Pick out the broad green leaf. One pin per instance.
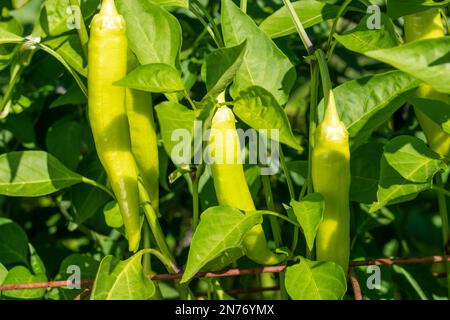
(7, 50)
(33, 174)
(13, 243)
(309, 214)
(362, 39)
(310, 12)
(175, 118)
(315, 280)
(64, 140)
(58, 17)
(365, 172)
(225, 259)
(154, 34)
(3, 273)
(264, 64)
(427, 60)
(21, 274)
(399, 8)
(69, 47)
(66, 65)
(220, 229)
(112, 214)
(73, 96)
(436, 110)
(122, 280)
(260, 110)
(81, 265)
(19, 3)
(175, 3)
(155, 77)
(412, 159)
(86, 200)
(367, 103)
(407, 168)
(221, 67)
(9, 37)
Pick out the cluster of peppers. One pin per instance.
(125, 138)
(121, 120)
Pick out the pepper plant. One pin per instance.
(143, 138)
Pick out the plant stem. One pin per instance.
(82, 31)
(215, 33)
(286, 174)
(341, 12)
(195, 203)
(271, 206)
(244, 6)
(299, 27)
(97, 185)
(153, 222)
(16, 71)
(325, 75)
(314, 98)
(280, 216)
(442, 202)
(147, 263)
(171, 268)
(275, 226)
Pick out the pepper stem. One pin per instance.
(108, 8)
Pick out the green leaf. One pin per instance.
(259, 109)
(69, 47)
(122, 280)
(13, 243)
(175, 3)
(315, 280)
(309, 214)
(112, 214)
(7, 50)
(264, 64)
(369, 102)
(21, 274)
(9, 37)
(3, 273)
(427, 60)
(73, 96)
(57, 18)
(33, 174)
(155, 77)
(154, 34)
(64, 140)
(365, 172)
(310, 12)
(88, 267)
(220, 229)
(86, 200)
(221, 67)
(412, 159)
(436, 110)
(399, 8)
(407, 168)
(173, 116)
(362, 39)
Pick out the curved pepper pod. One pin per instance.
(331, 178)
(144, 141)
(421, 26)
(230, 183)
(107, 57)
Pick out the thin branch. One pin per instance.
(230, 272)
(355, 285)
